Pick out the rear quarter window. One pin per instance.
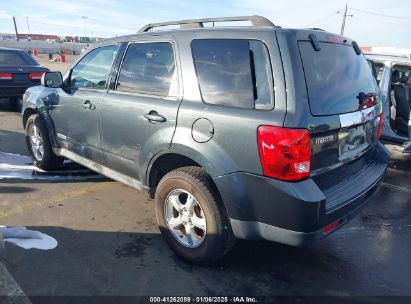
(335, 76)
(234, 72)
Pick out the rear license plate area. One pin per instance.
(20, 77)
(354, 140)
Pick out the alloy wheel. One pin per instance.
(185, 218)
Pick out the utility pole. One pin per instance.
(15, 28)
(85, 25)
(28, 25)
(343, 21)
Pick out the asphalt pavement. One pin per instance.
(109, 244)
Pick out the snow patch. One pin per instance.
(21, 167)
(27, 239)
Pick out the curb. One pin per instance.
(10, 291)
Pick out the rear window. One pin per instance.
(10, 58)
(234, 72)
(335, 76)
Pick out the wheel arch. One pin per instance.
(170, 160)
(27, 113)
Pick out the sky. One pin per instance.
(108, 18)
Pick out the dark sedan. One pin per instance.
(18, 72)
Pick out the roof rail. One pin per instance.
(315, 29)
(199, 23)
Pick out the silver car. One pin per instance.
(392, 73)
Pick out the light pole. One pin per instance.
(28, 25)
(85, 25)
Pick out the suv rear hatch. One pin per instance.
(336, 99)
(339, 83)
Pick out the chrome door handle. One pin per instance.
(153, 116)
(88, 105)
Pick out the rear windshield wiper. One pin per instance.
(314, 42)
(356, 48)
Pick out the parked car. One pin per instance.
(18, 72)
(255, 132)
(392, 73)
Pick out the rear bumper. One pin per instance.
(12, 92)
(295, 213)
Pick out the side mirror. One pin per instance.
(52, 80)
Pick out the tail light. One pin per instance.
(284, 153)
(379, 126)
(6, 76)
(35, 76)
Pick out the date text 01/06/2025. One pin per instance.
(204, 299)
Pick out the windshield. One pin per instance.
(335, 77)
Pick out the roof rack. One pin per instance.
(315, 29)
(199, 23)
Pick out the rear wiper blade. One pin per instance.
(356, 48)
(314, 42)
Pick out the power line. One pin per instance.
(382, 21)
(378, 14)
(322, 19)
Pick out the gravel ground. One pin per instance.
(43, 59)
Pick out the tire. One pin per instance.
(209, 243)
(44, 158)
(16, 104)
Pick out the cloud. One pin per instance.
(107, 18)
(367, 29)
(104, 17)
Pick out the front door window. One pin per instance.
(93, 70)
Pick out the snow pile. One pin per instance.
(21, 167)
(27, 239)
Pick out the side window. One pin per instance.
(93, 70)
(234, 72)
(148, 68)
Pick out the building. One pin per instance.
(40, 37)
(387, 50)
